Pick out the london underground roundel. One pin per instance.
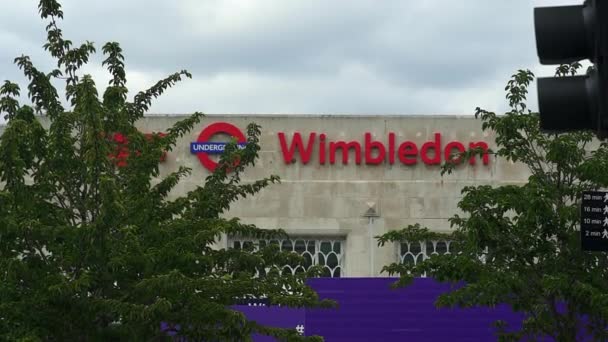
(204, 148)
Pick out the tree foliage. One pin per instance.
(95, 247)
(520, 244)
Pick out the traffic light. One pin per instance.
(566, 34)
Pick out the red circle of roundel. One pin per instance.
(211, 130)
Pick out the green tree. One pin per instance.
(92, 245)
(520, 244)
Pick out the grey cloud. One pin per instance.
(316, 38)
(300, 56)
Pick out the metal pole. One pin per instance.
(370, 214)
(371, 245)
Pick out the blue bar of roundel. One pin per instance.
(210, 147)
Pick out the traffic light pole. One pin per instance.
(567, 34)
(602, 66)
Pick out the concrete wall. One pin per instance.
(331, 200)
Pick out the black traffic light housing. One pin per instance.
(566, 34)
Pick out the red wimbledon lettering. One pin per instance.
(369, 146)
(296, 144)
(431, 151)
(436, 146)
(484, 148)
(408, 152)
(451, 157)
(345, 146)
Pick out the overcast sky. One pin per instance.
(299, 56)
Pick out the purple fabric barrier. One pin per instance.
(369, 310)
(280, 317)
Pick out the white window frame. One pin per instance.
(424, 252)
(316, 258)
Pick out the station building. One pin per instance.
(346, 179)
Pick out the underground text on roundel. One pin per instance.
(376, 152)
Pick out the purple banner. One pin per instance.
(369, 310)
(279, 317)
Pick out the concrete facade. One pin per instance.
(331, 200)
